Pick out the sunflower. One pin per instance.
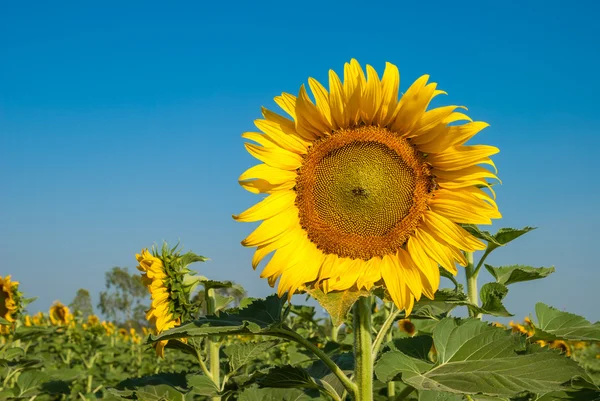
(365, 189)
(164, 276)
(60, 314)
(9, 299)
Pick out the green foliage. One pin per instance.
(553, 324)
(517, 273)
(473, 357)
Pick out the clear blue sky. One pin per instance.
(120, 125)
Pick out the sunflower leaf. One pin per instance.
(492, 295)
(506, 235)
(517, 273)
(275, 394)
(553, 324)
(244, 353)
(444, 301)
(4, 321)
(259, 316)
(474, 357)
(338, 303)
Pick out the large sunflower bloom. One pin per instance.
(8, 298)
(364, 188)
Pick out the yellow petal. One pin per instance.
(391, 277)
(451, 232)
(287, 102)
(272, 175)
(268, 207)
(337, 101)
(275, 157)
(456, 158)
(435, 250)
(412, 105)
(354, 82)
(277, 135)
(409, 273)
(452, 136)
(371, 97)
(322, 99)
(390, 82)
(309, 121)
(270, 229)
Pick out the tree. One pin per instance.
(122, 302)
(82, 303)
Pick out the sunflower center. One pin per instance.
(3, 309)
(361, 192)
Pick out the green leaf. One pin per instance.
(581, 395)
(415, 347)
(28, 382)
(444, 301)
(501, 238)
(32, 333)
(222, 302)
(338, 303)
(449, 276)
(274, 394)
(473, 357)
(492, 295)
(287, 376)
(259, 316)
(320, 371)
(245, 353)
(215, 284)
(429, 395)
(516, 273)
(159, 392)
(3, 321)
(553, 324)
(201, 385)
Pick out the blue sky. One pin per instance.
(120, 125)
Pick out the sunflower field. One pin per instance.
(372, 204)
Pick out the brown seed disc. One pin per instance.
(362, 191)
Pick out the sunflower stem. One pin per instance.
(363, 354)
(213, 345)
(288, 334)
(472, 290)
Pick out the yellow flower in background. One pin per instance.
(498, 324)
(8, 298)
(108, 327)
(154, 278)
(406, 326)
(27, 322)
(60, 314)
(519, 328)
(93, 320)
(365, 189)
(38, 319)
(560, 345)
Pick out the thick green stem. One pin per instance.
(472, 290)
(391, 386)
(213, 345)
(363, 354)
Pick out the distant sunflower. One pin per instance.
(164, 276)
(60, 314)
(9, 298)
(365, 189)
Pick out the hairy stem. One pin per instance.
(385, 329)
(472, 290)
(213, 345)
(363, 354)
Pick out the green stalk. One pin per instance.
(213, 345)
(472, 290)
(363, 356)
(391, 386)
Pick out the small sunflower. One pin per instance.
(164, 275)
(60, 314)
(365, 189)
(10, 299)
(561, 345)
(407, 326)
